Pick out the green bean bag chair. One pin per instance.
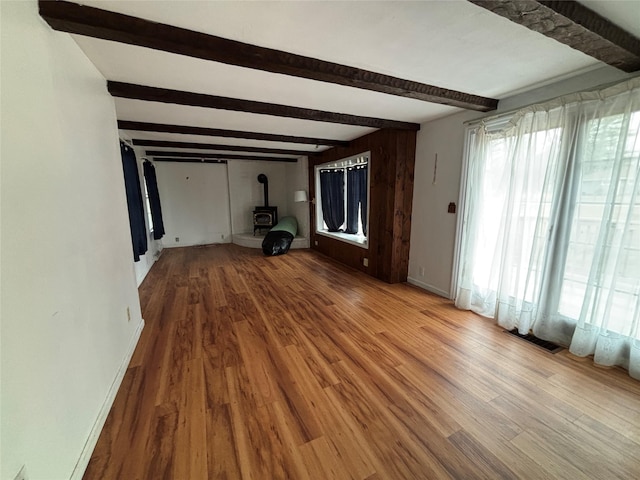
(279, 238)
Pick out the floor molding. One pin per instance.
(92, 440)
(429, 288)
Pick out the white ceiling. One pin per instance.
(451, 44)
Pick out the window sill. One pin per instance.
(357, 240)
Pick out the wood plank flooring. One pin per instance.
(254, 367)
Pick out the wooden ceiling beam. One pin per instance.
(188, 160)
(226, 156)
(97, 23)
(179, 97)
(214, 146)
(574, 25)
(216, 132)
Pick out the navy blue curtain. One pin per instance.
(357, 197)
(134, 201)
(154, 200)
(332, 194)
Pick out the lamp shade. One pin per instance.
(300, 196)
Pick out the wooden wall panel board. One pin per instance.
(391, 164)
(406, 207)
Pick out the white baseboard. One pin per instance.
(92, 440)
(429, 288)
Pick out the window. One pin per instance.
(605, 223)
(147, 206)
(342, 207)
(551, 225)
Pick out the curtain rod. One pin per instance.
(366, 162)
(345, 166)
(499, 115)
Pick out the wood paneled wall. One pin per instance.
(391, 165)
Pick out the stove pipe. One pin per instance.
(262, 178)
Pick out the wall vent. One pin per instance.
(548, 346)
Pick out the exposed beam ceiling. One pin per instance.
(165, 95)
(93, 22)
(575, 25)
(187, 160)
(227, 156)
(216, 132)
(213, 146)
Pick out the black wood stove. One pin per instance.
(264, 216)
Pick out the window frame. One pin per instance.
(567, 196)
(147, 207)
(361, 241)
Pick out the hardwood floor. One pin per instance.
(297, 367)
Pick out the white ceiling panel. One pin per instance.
(143, 66)
(452, 44)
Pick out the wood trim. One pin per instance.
(391, 168)
(186, 160)
(214, 146)
(402, 205)
(228, 156)
(216, 132)
(574, 25)
(97, 23)
(179, 97)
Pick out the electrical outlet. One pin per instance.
(421, 271)
(128, 314)
(22, 474)
(365, 262)
(177, 239)
(316, 243)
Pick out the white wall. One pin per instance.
(205, 203)
(67, 269)
(433, 230)
(246, 192)
(195, 203)
(298, 179)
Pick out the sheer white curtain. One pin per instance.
(551, 231)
